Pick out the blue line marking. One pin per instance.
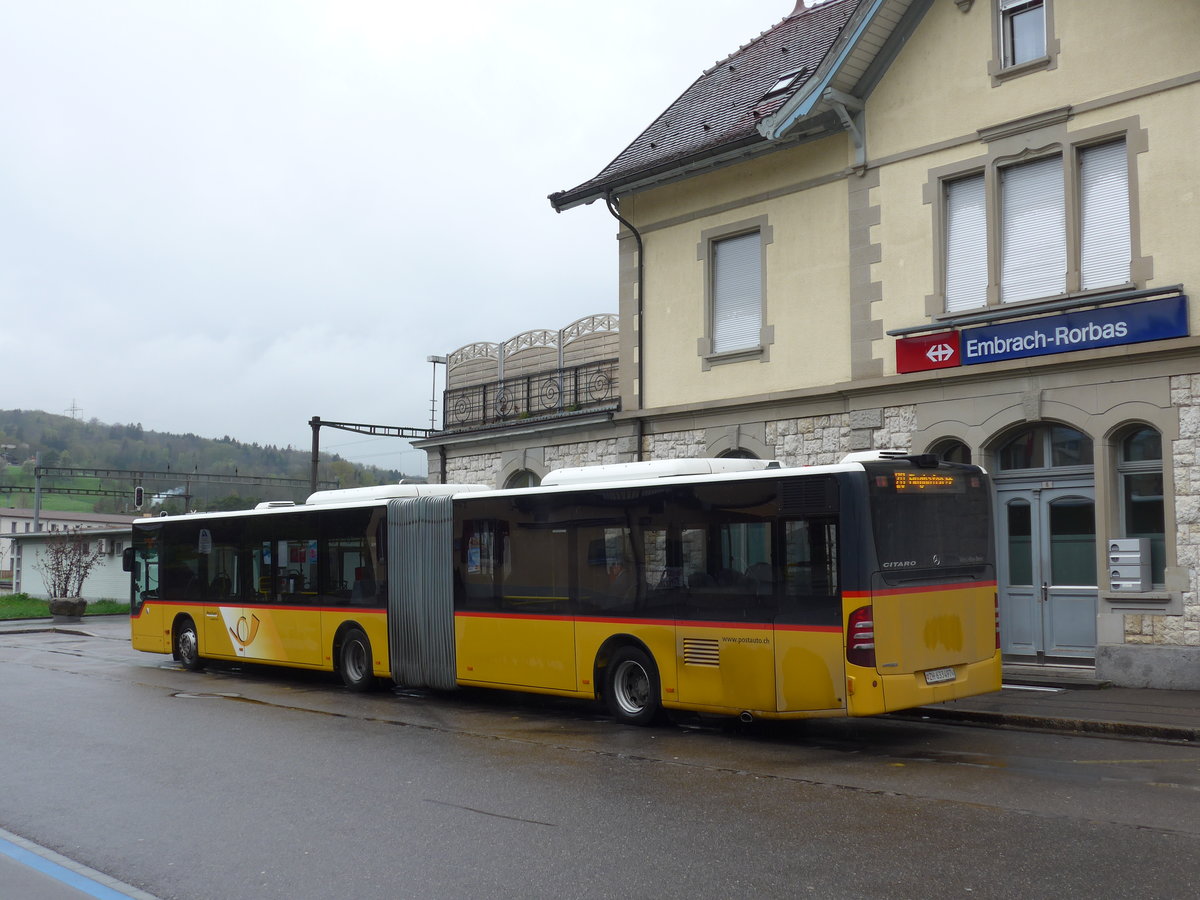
(60, 873)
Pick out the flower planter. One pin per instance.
(67, 609)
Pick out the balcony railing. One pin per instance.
(558, 392)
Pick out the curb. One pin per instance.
(1173, 734)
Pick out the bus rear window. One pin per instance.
(930, 519)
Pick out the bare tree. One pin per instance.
(66, 561)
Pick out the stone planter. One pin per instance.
(67, 609)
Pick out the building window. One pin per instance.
(1033, 239)
(952, 452)
(1024, 38)
(1139, 470)
(1046, 446)
(1104, 215)
(1023, 30)
(1063, 225)
(522, 478)
(735, 292)
(966, 243)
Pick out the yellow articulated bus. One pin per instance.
(727, 587)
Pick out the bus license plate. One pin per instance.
(938, 676)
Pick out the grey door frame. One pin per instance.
(1043, 622)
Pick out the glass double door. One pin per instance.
(1047, 569)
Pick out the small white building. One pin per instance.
(15, 521)
(107, 581)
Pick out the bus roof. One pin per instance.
(607, 477)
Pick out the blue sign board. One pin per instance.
(1134, 323)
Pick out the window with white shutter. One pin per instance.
(1104, 216)
(736, 293)
(1033, 242)
(1055, 227)
(966, 244)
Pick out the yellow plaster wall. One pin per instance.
(807, 278)
(937, 93)
(938, 87)
(702, 194)
(1167, 207)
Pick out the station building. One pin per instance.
(968, 227)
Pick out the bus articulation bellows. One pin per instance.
(726, 587)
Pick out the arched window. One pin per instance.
(737, 453)
(1140, 476)
(1044, 447)
(522, 478)
(952, 452)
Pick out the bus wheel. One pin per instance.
(354, 661)
(187, 646)
(631, 687)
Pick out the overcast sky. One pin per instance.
(227, 217)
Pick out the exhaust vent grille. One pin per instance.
(701, 652)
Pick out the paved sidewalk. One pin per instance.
(1071, 703)
(1138, 713)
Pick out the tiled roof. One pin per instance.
(722, 108)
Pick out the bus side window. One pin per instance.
(811, 566)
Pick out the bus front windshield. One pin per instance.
(145, 566)
(931, 523)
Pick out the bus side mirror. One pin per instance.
(127, 559)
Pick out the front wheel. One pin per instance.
(631, 687)
(354, 661)
(187, 646)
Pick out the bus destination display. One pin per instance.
(927, 483)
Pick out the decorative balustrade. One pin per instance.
(557, 392)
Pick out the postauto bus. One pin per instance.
(720, 586)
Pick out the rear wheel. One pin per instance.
(187, 645)
(354, 661)
(632, 688)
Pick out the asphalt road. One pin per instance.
(265, 784)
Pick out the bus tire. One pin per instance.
(631, 687)
(187, 646)
(354, 661)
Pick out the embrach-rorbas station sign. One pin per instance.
(1134, 323)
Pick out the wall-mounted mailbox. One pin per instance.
(1129, 564)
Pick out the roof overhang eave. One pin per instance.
(810, 100)
(676, 170)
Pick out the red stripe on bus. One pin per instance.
(537, 617)
(920, 589)
(201, 603)
(668, 623)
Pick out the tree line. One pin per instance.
(61, 441)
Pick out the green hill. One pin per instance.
(61, 441)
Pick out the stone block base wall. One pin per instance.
(1145, 666)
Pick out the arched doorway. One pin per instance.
(1046, 543)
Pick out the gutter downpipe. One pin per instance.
(639, 422)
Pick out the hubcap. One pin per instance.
(356, 661)
(632, 687)
(187, 645)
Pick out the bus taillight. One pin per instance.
(996, 598)
(860, 638)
